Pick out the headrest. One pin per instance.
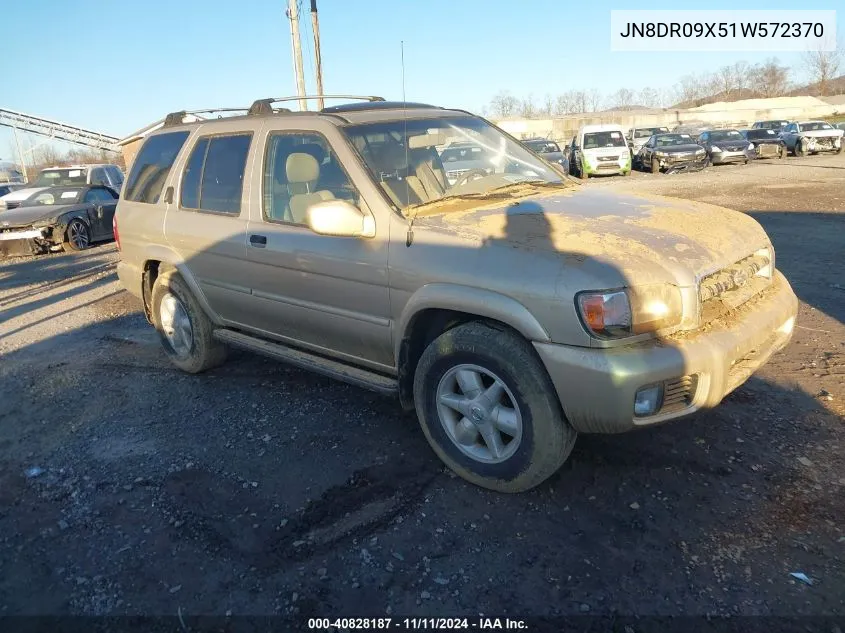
(315, 149)
(301, 167)
(426, 140)
(391, 157)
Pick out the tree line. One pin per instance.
(730, 83)
(49, 155)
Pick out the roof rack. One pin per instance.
(177, 118)
(265, 106)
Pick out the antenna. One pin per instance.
(409, 238)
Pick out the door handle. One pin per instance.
(259, 241)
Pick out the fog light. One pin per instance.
(647, 400)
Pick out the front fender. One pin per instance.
(470, 300)
(165, 255)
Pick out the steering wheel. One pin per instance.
(472, 174)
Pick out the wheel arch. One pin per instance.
(157, 261)
(436, 308)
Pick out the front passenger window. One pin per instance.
(300, 170)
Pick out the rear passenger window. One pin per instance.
(214, 176)
(152, 166)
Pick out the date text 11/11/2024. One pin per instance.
(415, 624)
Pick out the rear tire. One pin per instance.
(475, 383)
(186, 332)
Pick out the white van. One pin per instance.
(599, 149)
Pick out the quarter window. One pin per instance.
(214, 176)
(301, 170)
(152, 166)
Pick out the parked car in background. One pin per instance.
(15, 198)
(55, 218)
(510, 311)
(776, 124)
(672, 153)
(599, 149)
(839, 125)
(461, 159)
(811, 137)
(726, 146)
(549, 150)
(638, 136)
(9, 187)
(90, 174)
(765, 142)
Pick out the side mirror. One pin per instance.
(340, 218)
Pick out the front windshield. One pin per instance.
(592, 140)
(665, 140)
(646, 132)
(543, 147)
(418, 161)
(757, 135)
(725, 135)
(59, 177)
(57, 195)
(815, 125)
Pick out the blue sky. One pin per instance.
(114, 66)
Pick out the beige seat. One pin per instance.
(303, 171)
(429, 171)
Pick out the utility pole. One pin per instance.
(318, 63)
(20, 154)
(293, 16)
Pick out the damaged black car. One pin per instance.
(671, 153)
(765, 143)
(59, 218)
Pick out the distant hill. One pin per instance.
(835, 87)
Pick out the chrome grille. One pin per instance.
(731, 278)
(679, 393)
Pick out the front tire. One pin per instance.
(489, 410)
(186, 332)
(77, 236)
(655, 166)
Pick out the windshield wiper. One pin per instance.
(500, 191)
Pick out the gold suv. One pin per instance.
(509, 305)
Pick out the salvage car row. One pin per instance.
(607, 149)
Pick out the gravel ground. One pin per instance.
(127, 487)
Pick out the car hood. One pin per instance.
(24, 216)
(617, 238)
(21, 194)
(822, 133)
(595, 152)
(552, 156)
(679, 149)
(734, 145)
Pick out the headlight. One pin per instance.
(621, 313)
(716, 148)
(751, 146)
(699, 152)
(659, 153)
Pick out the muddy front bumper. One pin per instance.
(597, 387)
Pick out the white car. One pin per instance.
(13, 200)
(599, 149)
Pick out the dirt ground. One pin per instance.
(127, 487)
